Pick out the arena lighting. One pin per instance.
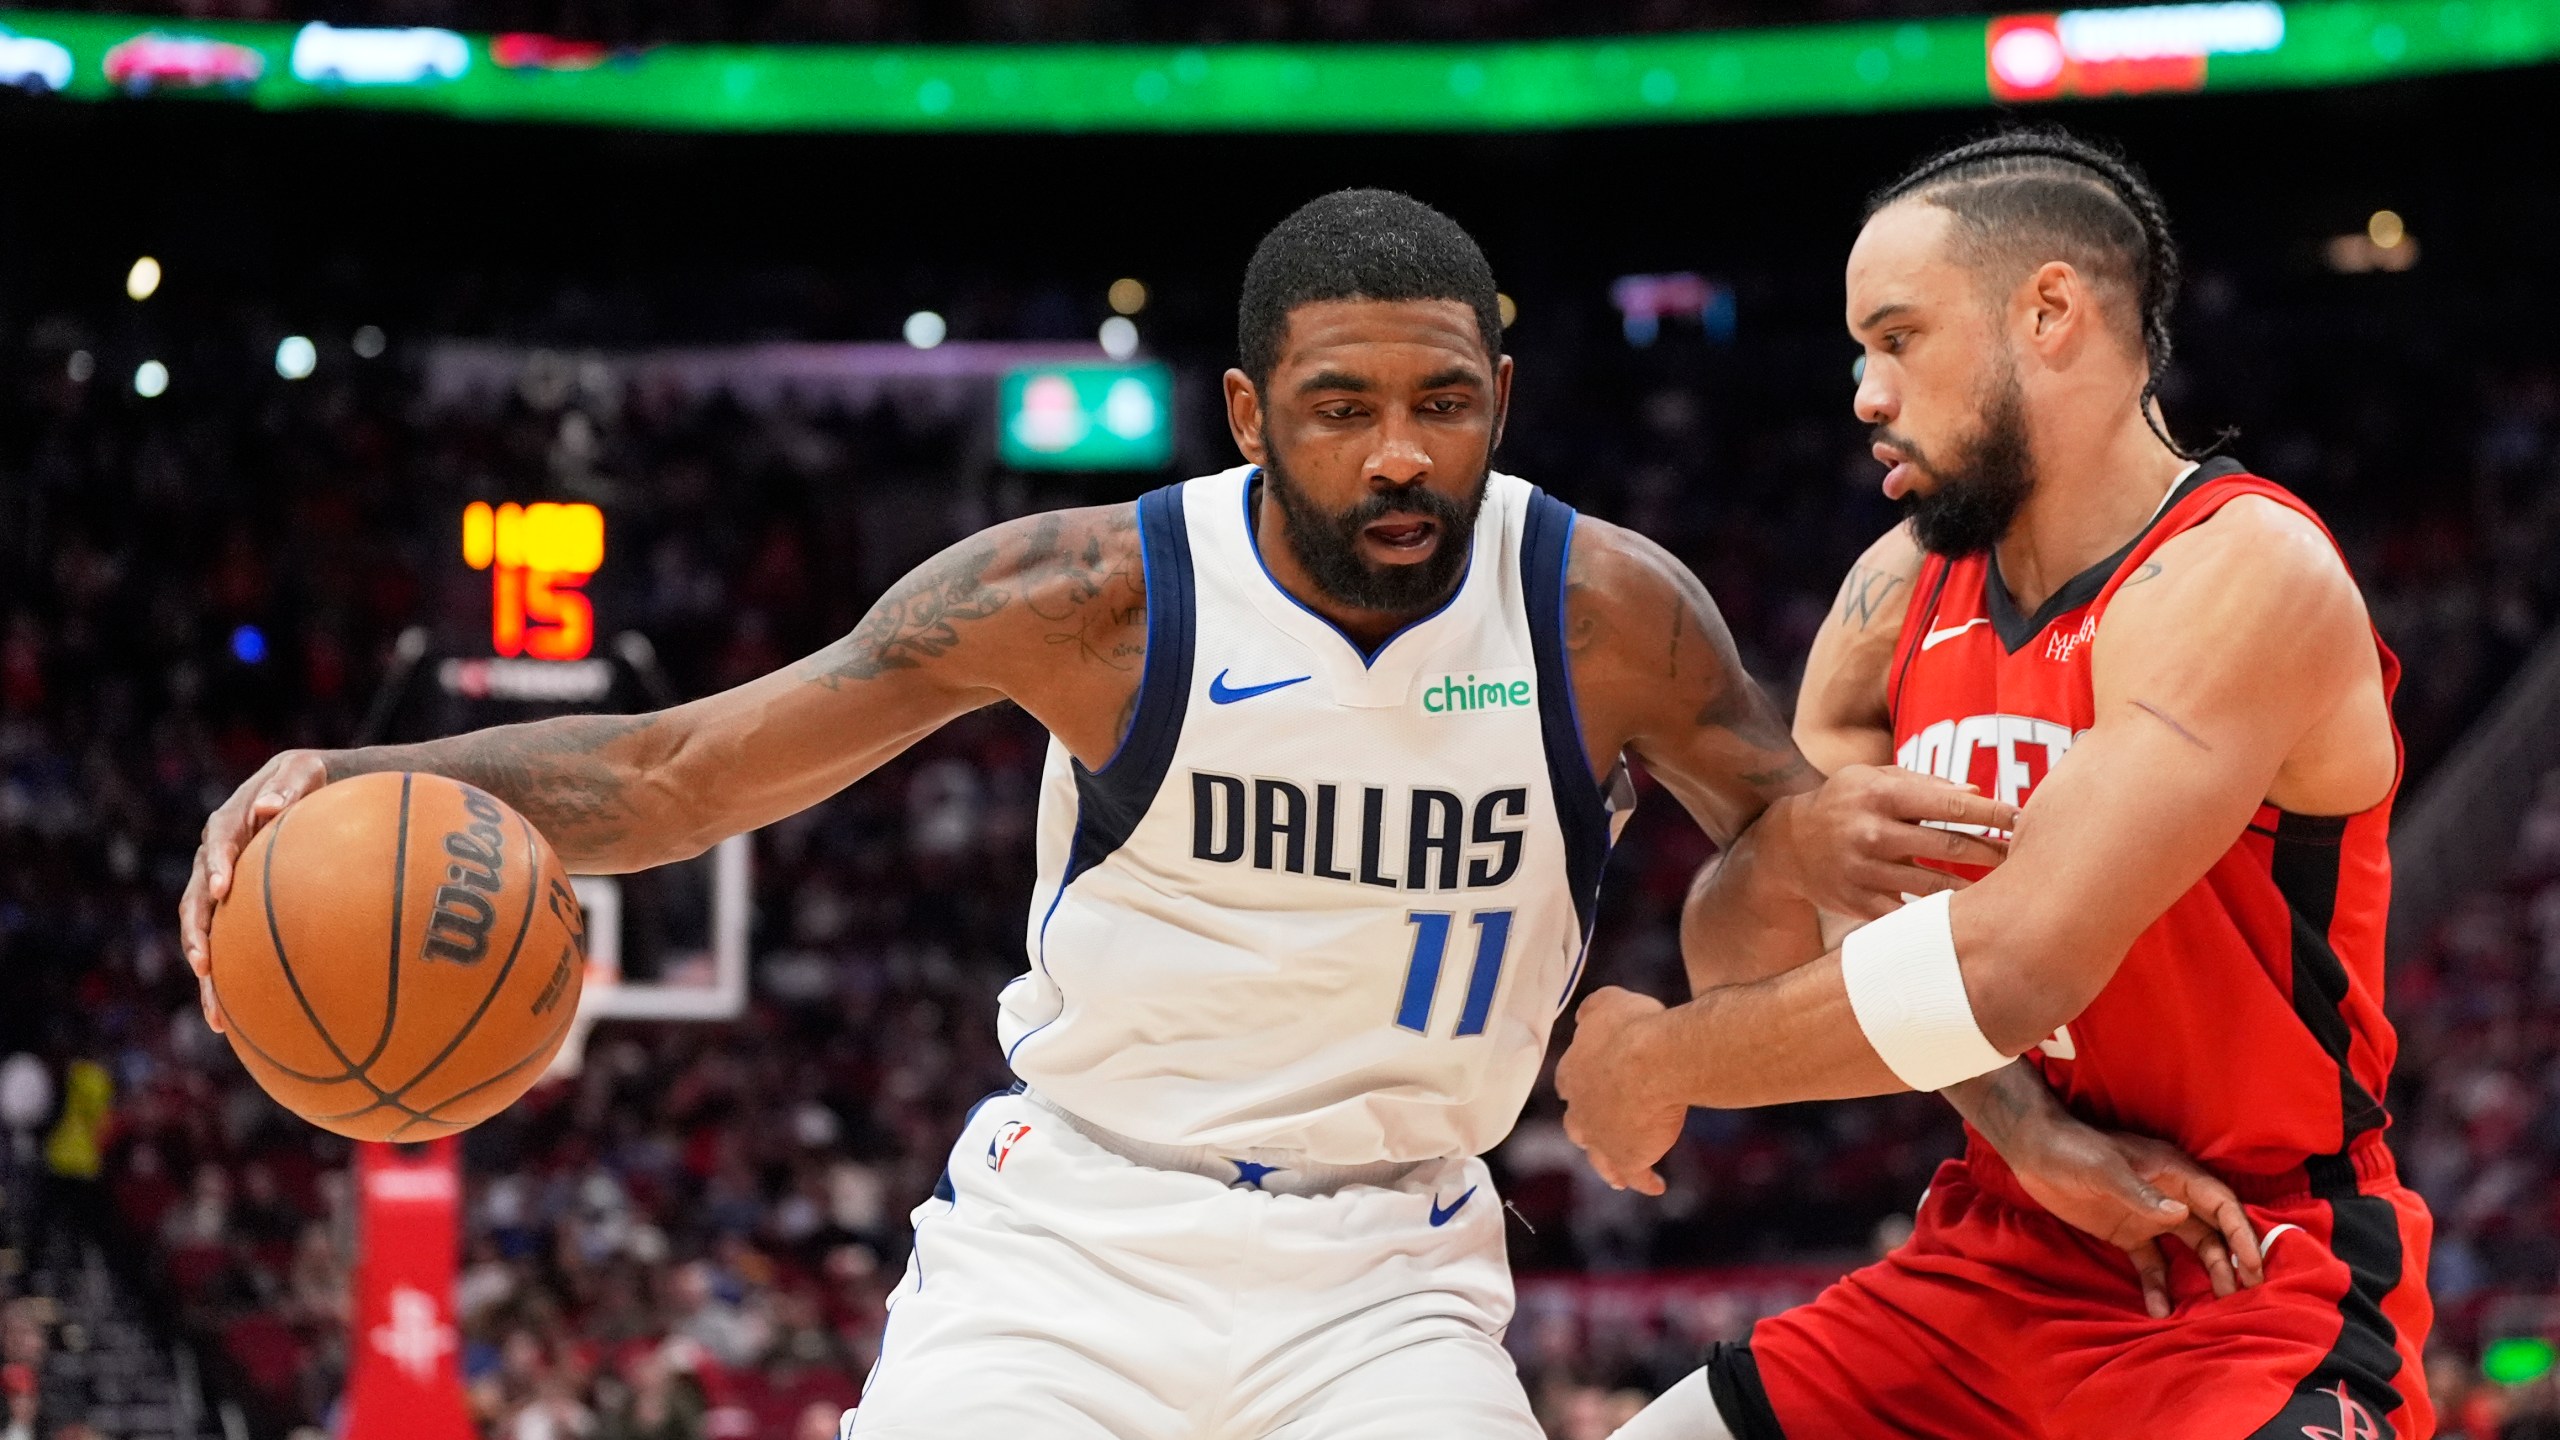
(80, 365)
(2124, 52)
(329, 55)
(296, 357)
(924, 330)
(1127, 296)
(2518, 1359)
(150, 379)
(39, 67)
(1086, 417)
(143, 280)
(369, 342)
(1855, 68)
(249, 645)
(2386, 245)
(1644, 301)
(1506, 308)
(1119, 337)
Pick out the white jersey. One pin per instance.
(1319, 902)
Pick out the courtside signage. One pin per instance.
(1519, 85)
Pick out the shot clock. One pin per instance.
(538, 557)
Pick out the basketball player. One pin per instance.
(1336, 762)
(2167, 664)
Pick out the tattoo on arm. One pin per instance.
(1056, 570)
(2150, 571)
(1732, 701)
(919, 619)
(2001, 1103)
(555, 772)
(1863, 594)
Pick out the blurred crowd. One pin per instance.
(694, 1237)
(648, 22)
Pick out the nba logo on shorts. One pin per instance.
(1008, 1135)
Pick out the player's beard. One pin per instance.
(1982, 485)
(1327, 542)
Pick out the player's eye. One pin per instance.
(1445, 404)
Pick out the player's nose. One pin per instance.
(1398, 461)
(1877, 402)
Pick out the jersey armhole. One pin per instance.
(1915, 622)
(1582, 810)
(1110, 801)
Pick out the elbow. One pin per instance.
(2026, 980)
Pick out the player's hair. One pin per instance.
(2024, 196)
(1359, 245)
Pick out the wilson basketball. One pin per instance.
(399, 957)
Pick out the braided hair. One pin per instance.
(2040, 193)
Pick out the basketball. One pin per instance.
(399, 957)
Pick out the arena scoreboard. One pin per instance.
(538, 556)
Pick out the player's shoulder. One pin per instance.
(2254, 544)
(1896, 552)
(1063, 556)
(2259, 576)
(1621, 582)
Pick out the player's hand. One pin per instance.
(1610, 1109)
(1852, 846)
(2135, 1193)
(261, 798)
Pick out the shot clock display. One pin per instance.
(538, 557)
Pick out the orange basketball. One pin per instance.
(399, 957)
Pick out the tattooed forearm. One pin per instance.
(1863, 594)
(2001, 1103)
(571, 775)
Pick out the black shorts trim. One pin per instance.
(1733, 1382)
(2354, 1392)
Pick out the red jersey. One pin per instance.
(2246, 1024)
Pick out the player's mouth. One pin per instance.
(1901, 470)
(1401, 539)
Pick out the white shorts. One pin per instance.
(1061, 1289)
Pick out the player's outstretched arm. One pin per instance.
(2248, 638)
(1048, 610)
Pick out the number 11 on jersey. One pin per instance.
(1422, 973)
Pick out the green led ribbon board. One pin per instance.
(1085, 417)
(2023, 58)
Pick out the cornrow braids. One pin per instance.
(2045, 187)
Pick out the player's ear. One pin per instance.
(1501, 399)
(1244, 415)
(2055, 304)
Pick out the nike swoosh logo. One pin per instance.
(1935, 638)
(1440, 1216)
(1221, 694)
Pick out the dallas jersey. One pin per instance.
(1320, 900)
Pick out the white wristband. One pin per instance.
(1908, 993)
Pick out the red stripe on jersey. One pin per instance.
(2246, 1023)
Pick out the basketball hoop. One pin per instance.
(608, 995)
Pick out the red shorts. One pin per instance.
(1996, 1321)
